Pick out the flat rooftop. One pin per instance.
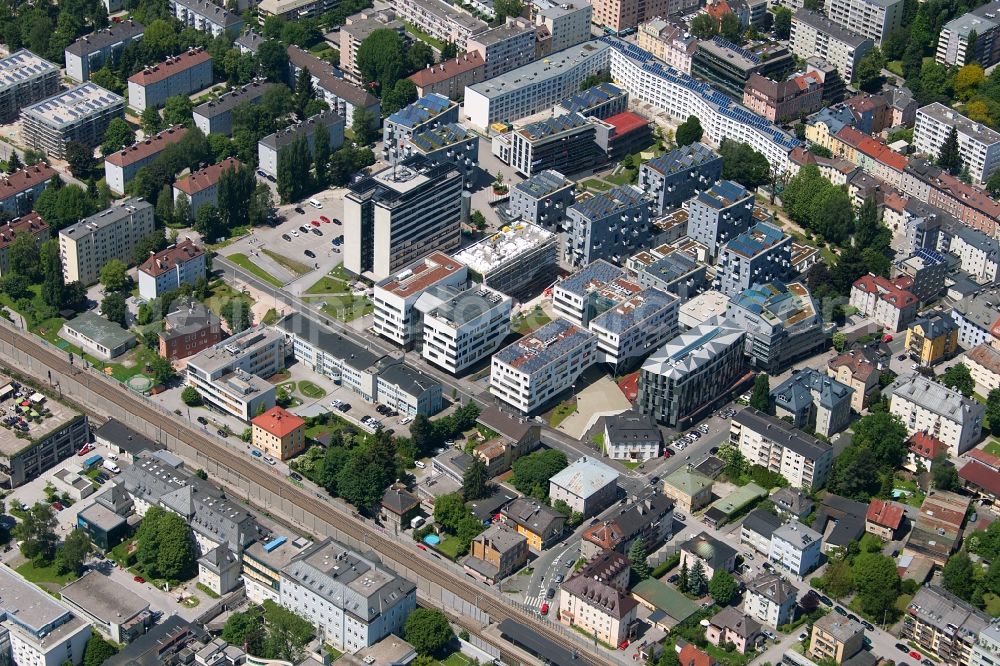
(723, 49)
(73, 105)
(230, 100)
(609, 203)
(276, 552)
(20, 428)
(635, 309)
(22, 66)
(548, 344)
(423, 110)
(103, 598)
(440, 137)
(585, 100)
(592, 277)
(504, 247)
(963, 124)
(467, 305)
(106, 217)
(822, 24)
(759, 238)
(550, 127)
(544, 183)
(225, 353)
(29, 606)
(539, 71)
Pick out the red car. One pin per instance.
(58, 506)
(84, 451)
(623, 644)
(139, 579)
(325, 219)
(315, 223)
(421, 546)
(916, 655)
(545, 609)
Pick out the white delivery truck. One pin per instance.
(111, 467)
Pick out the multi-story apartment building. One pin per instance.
(356, 29)
(759, 255)
(111, 234)
(604, 609)
(562, 143)
(232, 375)
(587, 485)
(515, 261)
(814, 402)
(270, 147)
(854, 369)
(168, 269)
(685, 377)
(24, 79)
(450, 77)
(978, 254)
(816, 35)
(278, 433)
(983, 362)
(795, 548)
(354, 600)
(621, 17)
(934, 192)
(944, 626)
(427, 113)
(932, 338)
(633, 437)
(987, 648)
(783, 324)
(926, 406)
(39, 629)
(342, 97)
(873, 19)
(505, 47)
(567, 22)
(668, 268)
(668, 41)
(401, 214)
(981, 26)
(206, 16)
(675, 177)
(202, 187)
(20, 189)
(120, 167)
(466, 328)
(187, 73)
(978, 145)
(80, 114)
(836, 638)
(728, 67)
(249, 42)
(610, 225)
(543, 199)
(976, 316)
(91, 52)
(782, 448)
(441, 21)
(928, 269)
(781, 101)
(32, 224)
(603, 101)
(770, 599)
(187, 329)
(719, 214)
(395, 317)
(886, 301)
(291, 10)
(495, 554)
(216, 116)
(536, 369)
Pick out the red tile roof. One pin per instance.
(968, 195)
(895, 201)
(169, 67)
(860, 366)
(448, 69)
(876, 150)
(427, 272)
(207, 177)
(24, 179)
(626, 122)
(31, 223)
(692, 656)
(718, 9)
(885, 514)
(925, 446)
(279, 422)
(147, 148)
(892, 291)
(167, 260)
(982, 476)
(984, 458)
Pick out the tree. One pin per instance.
(839, 341)
(177, 110)
(730, 27)
(321, 157)
(80, 158)
(884, 435)
(380, 59)
(162, 370)
(53, 284)
(190, 396)
(993, 184)
(362, 122)
(114, 309)
(993, 410)
(838, 581)
(782, 22)
(761, 396)
(743, 164)
(958, 576)
(637, 557)
(165, 206)
(428, 631)
(723, 587)
(236, 188)
(208, 222)
(246, 630)
(151, 121)
(150, 244)
(703, 26)
(877, 581)
(450, 50)
(287, 633)
(689, 131)
(304, 92)
(959, 378)
(23, 255)
(949, 158)
(404, 92)
(164, 545)
(73, 551)
(855, 474)
(968, 79)
(536, 469)
(868, 73)
(943, 474)
(236, 313)
(272, 60)
(37, 533)
(98, 651)
(475, 481)
(697, 581)
(421, 55)
(114, 276)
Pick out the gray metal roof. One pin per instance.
(101, 39)
(694, 348)
(783, 433)
(551, 342)
(584, 477)
(233, 98)
(937, 398)
(796, 392)
(825, 25)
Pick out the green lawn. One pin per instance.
(992, 447)
(562, 412)
(39, 575)
(296, 267)
(243, 261)
(992, 602)
(525, 323)
(423, 36)
(895, 66)
(310, 390)
(222, 293)
(347, 307)
(595, 184)
(454, 659)
(622, 178)
(328, 285)
(449, 546)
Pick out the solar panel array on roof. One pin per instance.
(440, 137)
(22, 66)
(421, 111)
(591, 97)
(610, 202)
(755, 240)
(555, 125)
(72, 105)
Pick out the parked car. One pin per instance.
(300, 210)
(901, 647)
(840, 611)
(315, 223)
(405, 420)
(84, 450)
(927, 662)
(270, 461)
(825, 600)
(559, 577)
(916, 655)
(748, 555)
(654, 480)
(336, 403)
(420, 464)
(310, 254)
(256, 454)
(325, 218)
(674, 578)
(679, 516)
(713, 450)
(221, 433)
(304, 229)
(295, 233)
(295, 476)
(58, 506)
(139, 579)
(344, 406)
(867, 625)
(286, 237)
(317, 232)
(202, 420)
(550, 593)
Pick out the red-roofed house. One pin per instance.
(783, 100)
(970, 204)
(279, 433)
(894, 210)
(121, 166)
(984, 458)
(202, 187)
(924, 448)
(984, 480)
(450, 77)
(179, 75)
(886, 302)
(164, 271)
(884, 519)
(19, 190)
(872, 156)
(32, 223)
(622, 134)
(690, 655)
(718, 9)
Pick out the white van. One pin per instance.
(111, 467)
(315, 204)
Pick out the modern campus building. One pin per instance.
(39, 629)
(216, 116)
(182, 263)
(342, 97)
(24, 79)
(91, 52)
(759, 255)
(447, 144)
(400, 214)
(610, 225)
(543, 199)
(466, 328)
(873, 19)
(187, 73)
(670, 269)
(120, 167)
(565, 143)
(943, 413)
(782, 448)
(983, 26)
(816, 35)
(80, 114)
(113, 233)
(427, 113)
(718, 214)
(673, 178)
(206, 16)
(538, 368)
(517, 262)
(691, 372)
(232, 375)
(728, 67)
(978, 145)
(270, 147)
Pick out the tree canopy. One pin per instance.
(532, 472)
(428, 631)
(689, 131)
(165, 546)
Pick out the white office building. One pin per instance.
(394, 297)
(873, 19)
(795, 548)
(815, 35)
(539, 367)
(111, 234)
(978, 145)
(943, 413)
(466, 328)
(38, 630)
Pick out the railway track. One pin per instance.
(325, 509)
